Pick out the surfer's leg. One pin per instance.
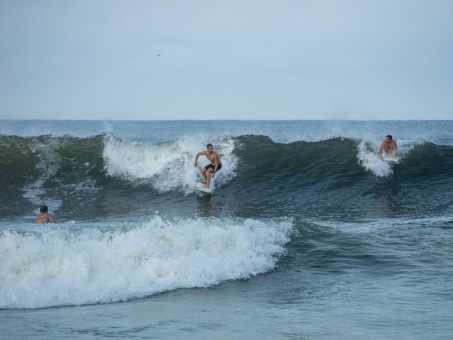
(203, 173)
(208, 178)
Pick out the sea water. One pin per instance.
(307, 233)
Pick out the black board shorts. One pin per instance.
(212, 166)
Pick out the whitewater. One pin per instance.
(307, 233)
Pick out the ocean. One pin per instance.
(307, 234)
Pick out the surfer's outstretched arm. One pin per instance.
(198, 155)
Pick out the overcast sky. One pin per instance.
(175, 59)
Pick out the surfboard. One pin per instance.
(390, 159)
(206, 190)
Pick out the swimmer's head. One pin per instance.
(44, 208)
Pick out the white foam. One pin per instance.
(166, 166)
(55, 267)
(369, 158)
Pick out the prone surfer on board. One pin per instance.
(389, 146)
(44, 216)
(212, 168)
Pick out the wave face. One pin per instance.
(290, 194)
(105, 176)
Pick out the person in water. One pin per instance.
(389, 146)
(211, 168)
(44, 216)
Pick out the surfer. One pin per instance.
(211, 168)
(45, 216)
(389, 146)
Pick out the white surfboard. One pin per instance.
(206, 190)
(390, 159)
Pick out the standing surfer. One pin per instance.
(211, 168)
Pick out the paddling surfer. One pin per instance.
(44, 216)
(389, 146)
(211, 168)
